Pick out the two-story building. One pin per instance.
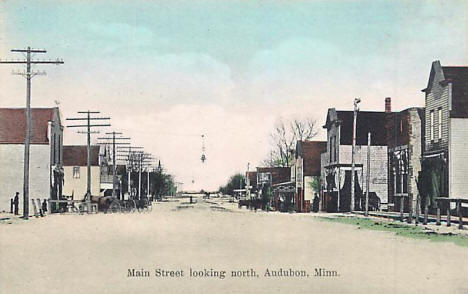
(46, 153)
(337, 163)
(307, 171)
(405, 135)
(446, 132)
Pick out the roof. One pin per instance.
(310, 151)
(77, 155)
(458, 75)
(13, 125)
(366, 121)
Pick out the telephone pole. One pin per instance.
(368, 173)
(28, 74)
(88, 132)
(353, 167)
(143, 159)
(114, 167)
(129, 156)
(247, 181)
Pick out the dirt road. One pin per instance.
(212, 247)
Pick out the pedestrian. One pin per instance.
(16, 203)
(316, 203)
(44, 206)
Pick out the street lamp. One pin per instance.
(356, 109)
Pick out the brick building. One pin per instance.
(307, 166)
(405, 135)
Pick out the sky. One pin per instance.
(167, 72)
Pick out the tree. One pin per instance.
(235, 182)
(315, 184)
(284, 137)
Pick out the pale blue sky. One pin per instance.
(237, 64)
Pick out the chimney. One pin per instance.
(388, 105)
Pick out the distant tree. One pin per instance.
(284, 137)
(235, 182)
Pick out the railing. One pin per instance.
(458, 202)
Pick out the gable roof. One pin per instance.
(77, 155)
(367, 121)
(310, 151)
(458, 76)
(13, 125)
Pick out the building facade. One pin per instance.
(75, 159)
(446, 129)
(46, 154)
(307, 172)
(405, 135)
(336, 162)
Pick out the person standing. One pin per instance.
(44, 206)
(16, 203)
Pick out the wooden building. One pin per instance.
(46, 153)
(336, 162)
(446, 131)
(75, 159)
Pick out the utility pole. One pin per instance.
(148, 182)
(28, 74)
(240, 186)
(88, 132)
(368, 173)
(247, 180)
(130, 157)
(142, 160)
(356, 109)
(114, 166)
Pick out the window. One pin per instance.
(431, 128)
(439, 123)
(53, 150)
(58, 148)
(400, 173)
(336, 148)
(76, 172)
(333, 149)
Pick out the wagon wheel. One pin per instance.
(114, 207)
(130, 205)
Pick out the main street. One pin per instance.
(213, 247)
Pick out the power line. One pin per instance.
(28, 74)
(88, 132)
(114, 169)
